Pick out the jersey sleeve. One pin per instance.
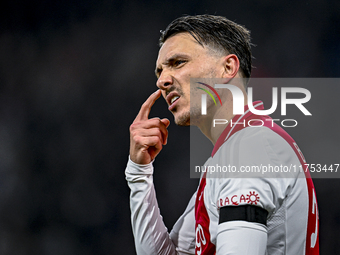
(150, 234)
(183, 232)
(241, 238)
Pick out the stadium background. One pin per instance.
(73, 75)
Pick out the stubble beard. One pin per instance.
(190, 117)
(183, 120)
(194, 115)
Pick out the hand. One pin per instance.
(147, 136)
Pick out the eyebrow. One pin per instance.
(171, 60)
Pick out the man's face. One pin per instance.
(179, 59)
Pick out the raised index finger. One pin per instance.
(146, 107)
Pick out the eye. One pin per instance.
(179, 62)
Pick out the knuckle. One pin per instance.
(135, 125)
(132, 127)
(137, 139)
(157, 139)
(156, 121)
(133, 133)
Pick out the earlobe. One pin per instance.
(231, 65)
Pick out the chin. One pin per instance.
(183, 119)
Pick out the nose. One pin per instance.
(165, 80)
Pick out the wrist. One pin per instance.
(135, 168)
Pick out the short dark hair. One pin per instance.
(217, 32)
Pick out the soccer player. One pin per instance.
(226, 215)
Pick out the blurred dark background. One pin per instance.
(73, 75)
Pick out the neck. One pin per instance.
(224, 114)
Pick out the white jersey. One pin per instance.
(232, 213)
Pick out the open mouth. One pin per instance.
(172, 99)
(175, 98)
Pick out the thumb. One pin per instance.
(166, 122)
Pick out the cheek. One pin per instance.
(207, 68)
(195, 96)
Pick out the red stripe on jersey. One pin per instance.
(203, 244)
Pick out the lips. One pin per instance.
(172, 99)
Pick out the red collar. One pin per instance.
(232, 129)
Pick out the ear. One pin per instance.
(231, 66)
